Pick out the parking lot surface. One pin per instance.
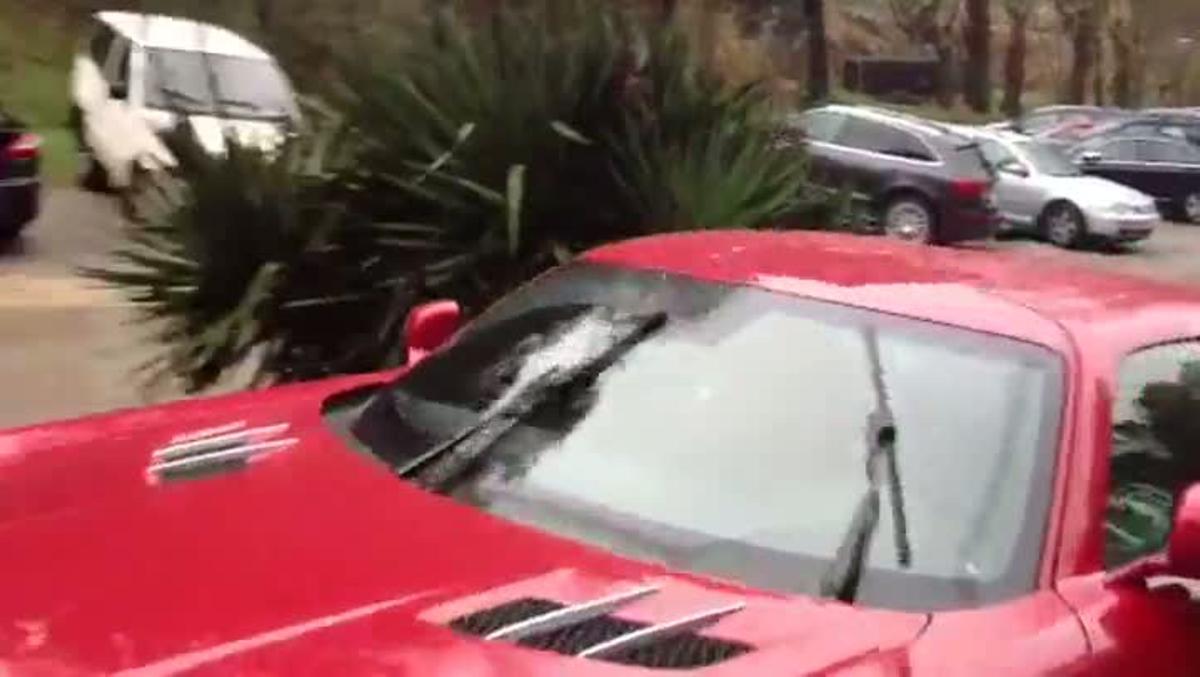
(69, 347)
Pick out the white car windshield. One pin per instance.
(1048, 159)
(733, 441)
(198, 82)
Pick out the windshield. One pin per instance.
(196, 82)
(732, 440)
(1048, 159)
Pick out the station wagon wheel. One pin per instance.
(1063, 225)
(1191, 208)
(908, 218)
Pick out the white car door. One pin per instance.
(1018, 195)
(117, 134)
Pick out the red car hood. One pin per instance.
(314, 558)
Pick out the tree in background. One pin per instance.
(1101, 11)
(1078, 19)
(977, 71)
(1125, 36)
(930, 24)
(818, 50)
(469, 158)
(1018, 12)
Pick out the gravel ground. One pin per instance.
(67, 347)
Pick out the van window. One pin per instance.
(101, 42)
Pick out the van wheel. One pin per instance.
(1063, 225)
(908, 218)
(92, 175)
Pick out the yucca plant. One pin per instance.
(476, 151)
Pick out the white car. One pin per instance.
(1039, 190)
(139, 74)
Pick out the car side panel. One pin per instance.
(1133, 174)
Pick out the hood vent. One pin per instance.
(588, 630)
(215, 450)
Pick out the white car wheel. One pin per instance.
(908, 219)
(1063, 225)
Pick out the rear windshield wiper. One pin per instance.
(438, 468)
(842, 579)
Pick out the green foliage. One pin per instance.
(472, 154)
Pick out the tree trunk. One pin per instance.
(977, 38)
(945, 73)
(818, 50)
(264, 13)
(1081, 28)
(1014, 62)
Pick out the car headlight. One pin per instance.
(1130, 209)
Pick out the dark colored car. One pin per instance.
(1181, 125)
(1165, 168)
(1054, 121)
(919, 181)
(20, 156)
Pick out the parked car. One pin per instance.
(919, 180)
(1168, 169)
(141, 74)
(1039, 190)
(1173, 125)
(739, 453)
(1054, 120)
(20, 183)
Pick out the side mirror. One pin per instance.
(429, 326)
(1014, 168)
(1090, 157)
(1183, 547)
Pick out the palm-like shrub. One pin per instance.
(474, 152)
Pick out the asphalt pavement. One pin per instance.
(69, 347)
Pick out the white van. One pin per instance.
(139, 73)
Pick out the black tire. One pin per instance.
(1063, 225)
(909, 217)
(1189, 208)
(92, 175)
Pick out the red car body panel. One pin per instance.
(315, 559)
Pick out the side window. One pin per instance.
(1119, 151)
(101, 42)
(1158, 151)
(998, 155)
(1155, 448)
(880, 138)
(823, 125)
(116, 69)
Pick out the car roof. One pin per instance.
(1029, 296)
(883, 115)
(168, 32)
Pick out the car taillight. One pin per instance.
(24, 147)
(969, 189)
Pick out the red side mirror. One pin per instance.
(1183, 548)
(429, 326)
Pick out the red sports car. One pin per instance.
(724, 453)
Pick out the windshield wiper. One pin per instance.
(438, 468)
(842, 579)
(175, 94)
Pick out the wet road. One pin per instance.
(68, 348)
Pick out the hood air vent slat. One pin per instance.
(587, 631)
(216, 450)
